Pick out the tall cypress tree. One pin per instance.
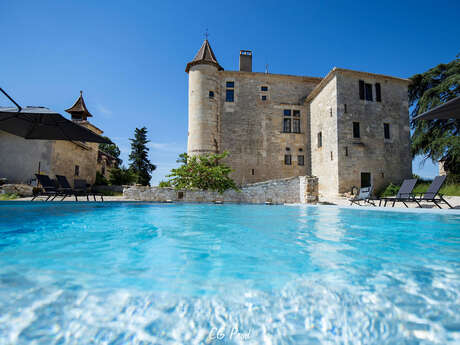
(139, 157)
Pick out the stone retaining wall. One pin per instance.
(301, 189)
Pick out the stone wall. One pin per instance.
(301, 189)
(387, 160)
(252, 128)
(323, 118)
(19, 158)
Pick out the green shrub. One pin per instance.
(204, 172)
(164, 184)
(6, 196)
(101, 180)
(121, 176)
(390, 190)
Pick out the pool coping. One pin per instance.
(361, 208)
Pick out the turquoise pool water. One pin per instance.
(128, 273)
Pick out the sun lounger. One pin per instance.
(432, 194)
(404, 194)
(49, 188)
(82, 188)
(79, 189)
(365, 195)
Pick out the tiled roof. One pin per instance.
(204, 56)
(79, 107)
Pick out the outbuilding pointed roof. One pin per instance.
(79, 108)
(204, 56)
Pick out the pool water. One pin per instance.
(138, 273)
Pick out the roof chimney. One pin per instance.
(245, 61)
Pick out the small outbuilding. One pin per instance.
(21, 159)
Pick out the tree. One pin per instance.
(111, 149)
(202, 172)
(436, 139)
(140, 163)
(121, 176)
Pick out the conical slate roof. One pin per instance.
(79, 108)
(204, 56)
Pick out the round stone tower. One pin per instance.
(203, 102)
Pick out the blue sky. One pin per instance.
(129, 57)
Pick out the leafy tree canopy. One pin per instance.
(139, 157)
(205, 172)
(121, 176)
(111, 149)
(436, 139)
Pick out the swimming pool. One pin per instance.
(137, 273)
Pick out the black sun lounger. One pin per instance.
(81, 187)
(432, 192)
(78, 190)
(48, 188)
(404, 194)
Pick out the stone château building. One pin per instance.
(349, 128)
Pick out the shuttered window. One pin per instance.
(287, 159)
(300, 160)
(287, 125)
(356, 133)
(386, 130)
(361, 89)
(368, 89)
(296, 126)
(378, 95)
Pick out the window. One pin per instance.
(287, 159)
(346, 151)
(229, 96)
(287, 112)
(365, 91)
(378, 94)
(296, 113)
(288, 149)
(287, 125)
(230, 92)
(264, 98)
(365, 179)
(330, 111)
(264, 88)
(296, 125)
(320, 139)
(211, 94)
(332, 156)
(356, 130)
(77, 170)
(368, 90)
(253, 172)
(386, 130)
(345, 108)
(300, 150)
(300, 160)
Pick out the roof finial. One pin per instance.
(81, 93)
(206, 34)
